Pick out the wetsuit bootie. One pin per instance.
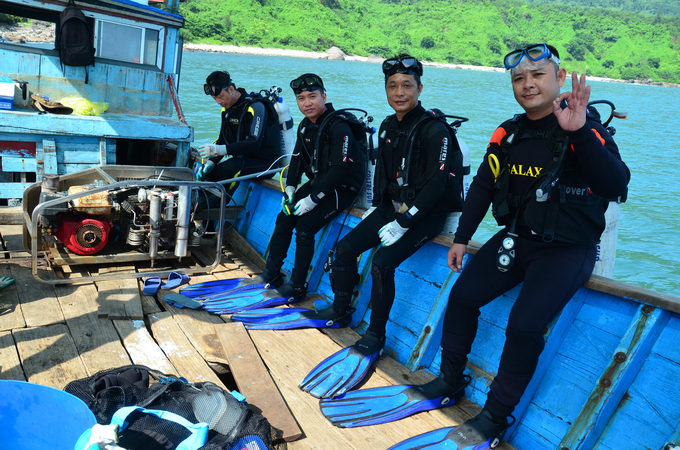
(291, 291)
(454, 377)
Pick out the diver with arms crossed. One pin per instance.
(548, 243)
(331, 150)
(418, 182)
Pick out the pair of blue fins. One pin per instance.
(250, 301)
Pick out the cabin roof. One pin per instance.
(125, 8)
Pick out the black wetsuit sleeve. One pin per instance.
(600, 161)
(479, 195)
(251, 142)
(343, 155)
(295, 167)
(224, 129)
(436, 172)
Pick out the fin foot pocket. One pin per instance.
(345, 369)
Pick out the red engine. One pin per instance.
(83, 236)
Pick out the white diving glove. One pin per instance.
(304, 206)
(368, 212)
(210, 150)
(287, 200)
(205, 169)
(391, 233)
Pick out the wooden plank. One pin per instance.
(13, 190)
(289, 357)
(38, 301)
(49, 356)
(10, 366)
(615, 380)
(11, 164)
(95, 338)
(11, 215)
(197, 325)
(254, 381)
(556, 333)
(180, 352)
(242, 246)
(11, 316)
(119, 299)
(12, 236)
(141, 347)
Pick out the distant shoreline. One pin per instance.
(337, 54)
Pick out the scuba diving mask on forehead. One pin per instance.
(530, 54)
(307, 82)
(407, 65)
(213, 90)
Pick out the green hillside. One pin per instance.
(602, 42)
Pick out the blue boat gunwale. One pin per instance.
(596, 282)
(607, 378)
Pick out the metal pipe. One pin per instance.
(169, 206)
(155, 221)
(250, 177)
(183, 220)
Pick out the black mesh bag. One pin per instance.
(229, 419)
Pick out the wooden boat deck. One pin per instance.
(52, 335)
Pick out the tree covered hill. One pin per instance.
(602, 42)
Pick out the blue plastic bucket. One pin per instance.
(35, 417)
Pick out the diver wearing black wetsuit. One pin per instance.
(402, 218)
(554, 240)
(336, 172)
(424, 215)
(249, 134)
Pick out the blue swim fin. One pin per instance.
(224, 287)
(478, 433)
(343, 370)
(386, 404)
(253, 298)
(291, 318)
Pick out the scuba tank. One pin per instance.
(365, 199)
(606, 249)
(451, 224)
(285, 125)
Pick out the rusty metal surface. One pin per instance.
(95, 204)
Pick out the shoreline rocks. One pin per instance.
(21, 33)
(334, 53)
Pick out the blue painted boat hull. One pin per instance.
(607, 378)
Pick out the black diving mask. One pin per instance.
(307, 82)
(407, 65)
(214, 90)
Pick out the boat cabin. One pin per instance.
(138, 54)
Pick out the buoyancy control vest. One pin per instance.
(321, 162)
(271, 147)
(558, 205)
(411, 177)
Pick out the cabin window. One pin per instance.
(130, 43)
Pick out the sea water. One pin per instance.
(648, 253)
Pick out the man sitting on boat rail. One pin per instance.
(547, 174)
(331, 150)
(249, 134)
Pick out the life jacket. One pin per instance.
(359, 129)
(558, 205)
(75, 41)
(412, 181)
